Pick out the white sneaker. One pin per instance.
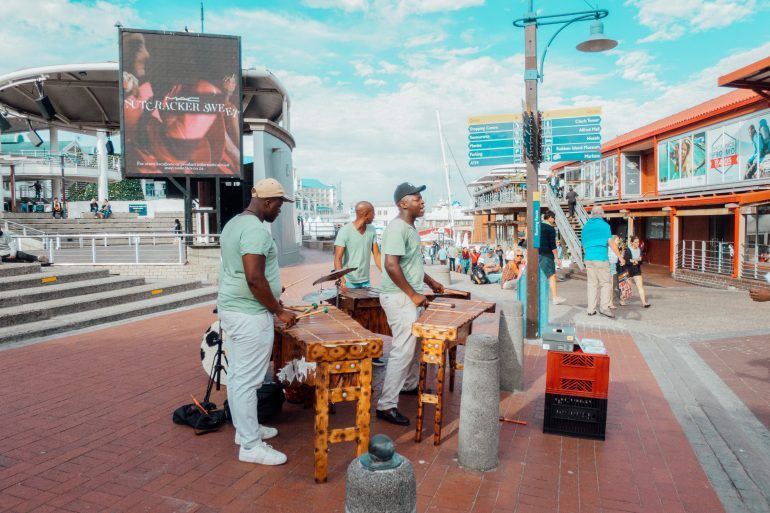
(262, 454)
(557, 300)
(265, 433)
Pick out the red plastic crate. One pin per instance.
(578, 374)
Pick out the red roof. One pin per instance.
(714, 107)
(754, 76)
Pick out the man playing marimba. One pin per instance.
(402, 299)
(354, 246)
(249, 288)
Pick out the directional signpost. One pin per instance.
(494, 140)
(572, 134)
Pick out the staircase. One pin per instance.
(570, 228)
(39, 302)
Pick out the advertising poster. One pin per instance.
(754, 148)
(632, 185)
(181, 95)
(682, 162)
(603, 176)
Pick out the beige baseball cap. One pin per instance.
(269, 188)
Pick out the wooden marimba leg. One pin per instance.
(420, 391)
(363, 417)
(439, 399)
(321, 442)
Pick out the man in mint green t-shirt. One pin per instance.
(249, 288)
(402, 299)
(355, 245)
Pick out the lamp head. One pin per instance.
(597, 41)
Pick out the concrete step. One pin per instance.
(65, 290)
(64, 323)
(15, 315)
(51, 276)
(7, 270)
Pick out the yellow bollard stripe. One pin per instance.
(156, 292)
(48, 279)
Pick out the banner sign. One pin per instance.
(572, 134)
(494, 140)
(723, 153)
(180, 95)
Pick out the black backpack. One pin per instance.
(202, 422)
(479, 276)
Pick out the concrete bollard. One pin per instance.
(381, 480)
(479, 434)
(441, 274)
(511, 334)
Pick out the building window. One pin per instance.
(657, 228)
(632, 185)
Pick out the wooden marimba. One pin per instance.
(444, 325)
(342, 350)
(363, 305)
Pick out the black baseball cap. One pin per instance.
(407, 189)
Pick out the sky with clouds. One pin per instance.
(367, 76)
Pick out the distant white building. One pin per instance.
(314, 196)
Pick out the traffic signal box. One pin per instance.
(576, 386)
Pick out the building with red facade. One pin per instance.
(694, 186)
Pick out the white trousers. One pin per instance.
(402, 371)
(249, 344)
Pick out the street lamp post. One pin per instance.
(596, 42)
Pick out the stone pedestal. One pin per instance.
(479, 434)
(381, 481)
(511, 334)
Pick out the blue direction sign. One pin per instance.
(572, 134)
(494, 140)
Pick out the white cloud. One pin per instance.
(345, 5)
(363, 69)
(58, 31)
(637, 66)
(374, 82)
(427, 6)
(425, 39)
(671, 19)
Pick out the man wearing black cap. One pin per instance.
(402, 298)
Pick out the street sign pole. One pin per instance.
(533, 191)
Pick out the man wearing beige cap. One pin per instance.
(249, 288)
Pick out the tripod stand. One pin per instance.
(215, 376)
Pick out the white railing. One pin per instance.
(117, 248)
(36, 239)
(706, 256)
(71, 159)
(755, 262)
(565, 228)
(506, 194)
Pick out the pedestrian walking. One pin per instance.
(442, 255)
(633, 258)
(613, 262)
(465, 260)
(597, 238)
(452, 255)
(38, 189)
(549, 254)
(572, 198)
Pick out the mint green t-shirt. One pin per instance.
(358, 250)
(245, 234)
(402, 239)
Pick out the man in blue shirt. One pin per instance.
(597, 238)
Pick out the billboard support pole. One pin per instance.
(188, 209)
(218, 204)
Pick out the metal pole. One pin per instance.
(201, 17)
(218, 204)
(446, 172)
(533, 193)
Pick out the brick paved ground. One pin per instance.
(744, 365)
(91, 430)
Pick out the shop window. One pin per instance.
(657, 228)
(632, 185)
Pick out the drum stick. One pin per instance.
(295, 282)
(455, 291)
(302, 309)
(513, 421)
(199, 405)
(308, 314)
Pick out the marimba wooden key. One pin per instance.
(440, 329)
(342, 350)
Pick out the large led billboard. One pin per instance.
(180, 95)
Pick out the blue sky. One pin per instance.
(366, 76)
